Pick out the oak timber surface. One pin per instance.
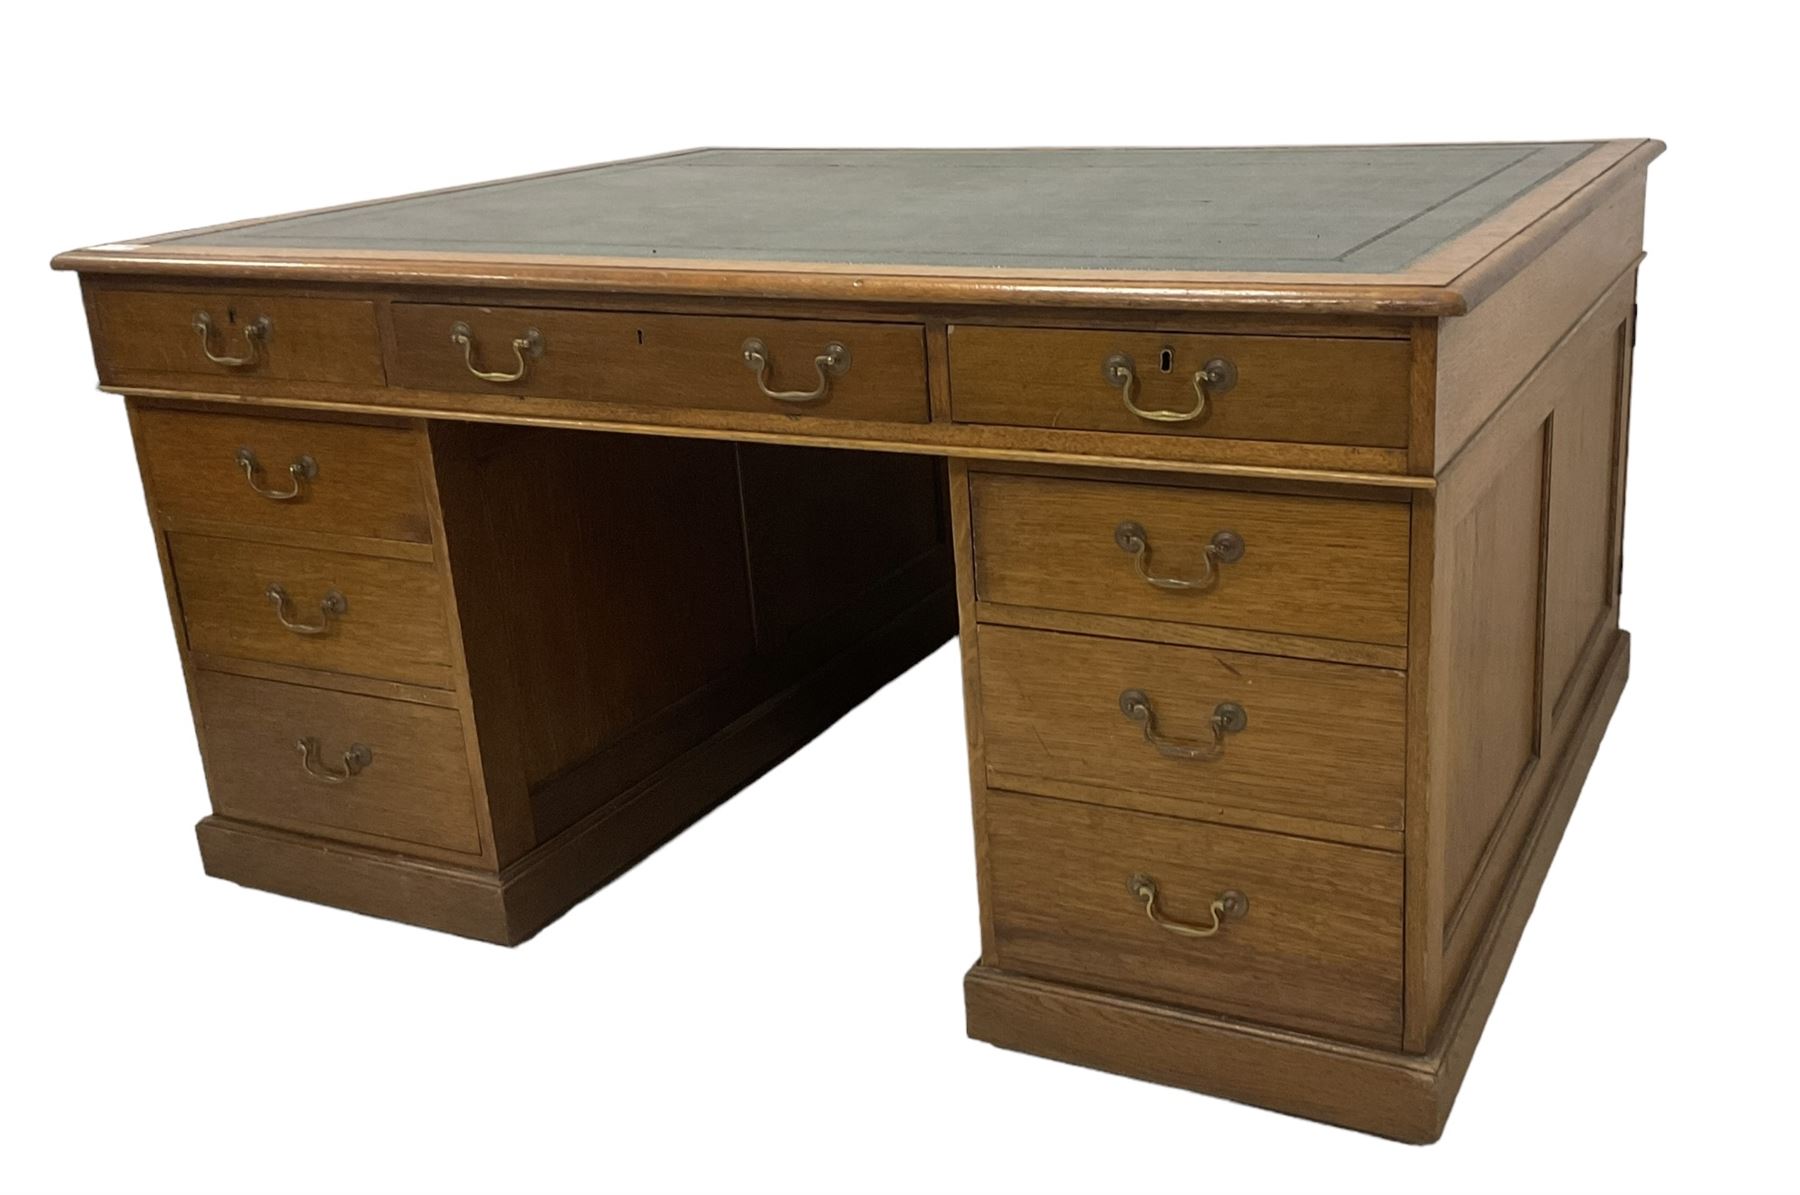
(1323, 209)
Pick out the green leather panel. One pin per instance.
(1336, 209)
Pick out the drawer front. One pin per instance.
(154, 338)
(1309, 391)
(1314, 740)
(1318, 947)
(681, 361)
(313, 759)
(1329, 567)
(387, 620)
(343, 479)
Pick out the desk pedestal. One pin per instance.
(512, 661)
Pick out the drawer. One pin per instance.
(351, 480)
(317, 760)
(1317, 947)
(196, 339)
(386, 618)
(675, 361)
(1309, 391)
(1309, 739)
(1329, 567)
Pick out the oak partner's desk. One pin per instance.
(1277, 494)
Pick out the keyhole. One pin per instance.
(231, 315)
(1168, 360)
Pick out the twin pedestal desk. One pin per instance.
(1275, 497)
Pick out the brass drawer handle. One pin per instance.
(355, 760)
(1214, 378)
(834, 362)
(1228, 717)
(303, 469)
(1226, 547)
(256, 333)
(526, 349)
(1227, 905)
(331, 606)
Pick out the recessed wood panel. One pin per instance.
(599, 578)
(1318, 949)
(1582, 570)
(1490, 571)
(824, 526)
(1562, 430)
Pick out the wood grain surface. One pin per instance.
(822, 528)
(1311, 566)
(1323, 741)
(1318, 949)
(393, 627)
(148, 334)
(1309, 391)
(659, 360)
(367, 483)
(415, 788)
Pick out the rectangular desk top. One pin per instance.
(1413, 229)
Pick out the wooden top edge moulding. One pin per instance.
(1407, 230)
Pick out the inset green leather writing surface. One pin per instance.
(1317, 210)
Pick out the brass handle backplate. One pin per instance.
(331, 606)
(834, 362)
(256, 334)
(526, 349)
(1226, 547)
(1228, 905)
(304, 469)
(1228, 717)
(355, 760)
(1210, 380)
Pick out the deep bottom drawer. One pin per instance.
(1317, 946)
(391, 769)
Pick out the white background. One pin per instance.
(773, 1002)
